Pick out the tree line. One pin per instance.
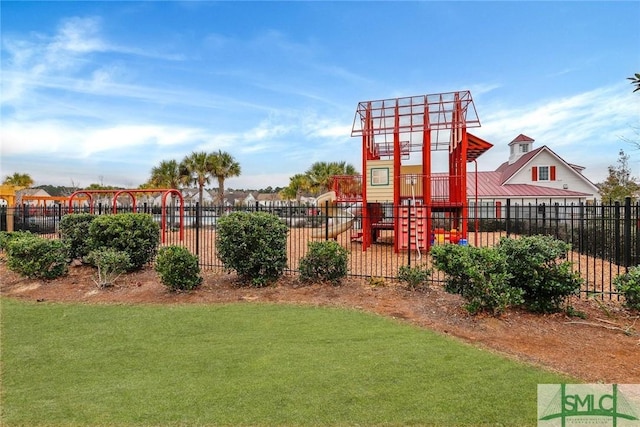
(196, 168)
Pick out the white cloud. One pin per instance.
(78, 35)
(582, 128)
(566, 121)
(65, 140)
(63, 61)
(34, 137)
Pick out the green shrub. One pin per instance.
(479, 275)
(37, 257)
(136, 234)
(324, 261)
(252, 244)
(178, 268)
(535, 265)
(110, 264)
(6, 237)
(416, 278)
(74, 231)
(628, 284)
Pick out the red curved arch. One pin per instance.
(163, 221)
(131, 192)
(88, 193)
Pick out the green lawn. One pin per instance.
(249, 364)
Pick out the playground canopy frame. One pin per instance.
(391, 129)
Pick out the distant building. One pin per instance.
(271, 200)
(31, 194)
(531, 177)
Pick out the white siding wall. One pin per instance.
(565, 176)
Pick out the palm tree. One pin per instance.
(19, 180)
(196, 169)
(635, 80)
(321, 174)
(166, 175)
(298, 184)
(223, 166)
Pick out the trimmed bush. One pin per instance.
(536, 266)
(136, 234)
(74, 231)
(110, 264)
(36, 257)
(628, 284)
(178, 268)
(324, 261)
(254, 245)
(479, 275)
(6, 237)
(416, 278)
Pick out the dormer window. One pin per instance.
(524, 148)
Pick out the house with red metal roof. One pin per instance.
(532, 175)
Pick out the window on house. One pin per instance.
(543, 173)
(380, 176)
(524, 148)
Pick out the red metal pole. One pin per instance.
(475, 214)
(367, 147)
(396, 177)
(426, 173)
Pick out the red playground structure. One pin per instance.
(400, 141)
(115, 194)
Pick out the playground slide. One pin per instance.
(333, 230)
(326, 203)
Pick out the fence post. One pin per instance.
(197, 228)
(627, 233)
(326, 220)
(25, 218)
(59, 217)
(581, 229)
(409, 234)
(556, 212)
(637, 239)
(616, 231)
(603, 223)
(3, 217)
(508, 219)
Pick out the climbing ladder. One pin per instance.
(413, 228)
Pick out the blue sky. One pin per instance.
(103, 91)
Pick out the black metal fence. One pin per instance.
(605, 238)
